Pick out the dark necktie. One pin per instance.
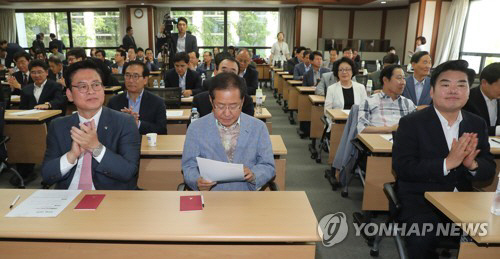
(59, 75)
(25, 79)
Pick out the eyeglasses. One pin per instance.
(231, 107)
(37, 72)
(134, 77)
(84, 88)
(345, 70)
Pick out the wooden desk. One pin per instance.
(281, 81)
(289, 83)
(317, 110)
(160, 167)
(15, 99)
(491, 186)
(265, 117)
(28, 135)
(295, 92)
(264, 71)
(109, 92)
(471, 207)
(128, 224)
(339, 118)
(177, 125)
(155, 72)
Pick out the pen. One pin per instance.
(494, 140)
(14, 202)
(202, 201)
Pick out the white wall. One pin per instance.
(140, 27)
(335, 24)
(412, 30)
(430, 10)
(395, 29)
(367, 24)
(309, 28)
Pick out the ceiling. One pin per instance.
(65, 4)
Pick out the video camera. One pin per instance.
(169, 24)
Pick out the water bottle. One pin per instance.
(258, 101)
(155, 83)
(203, 77)
(363, 64)
(378, 65)
(162, 84)
(495, 206)
(194, 114)
(369, 85)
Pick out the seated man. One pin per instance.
(483, 100)
(389, 59)
(131, 54)
(441, 148)
(148, 109)
(291, 63)
(180, 76)
(101, 55)
(43, 93)
(21, 78)
(55, 53)
(248, 72)
(300, 69)
(207, 65)
(117, 67)
(194, 57)
(201, 101)
(380, 113)
(418, 85)
(95, 148)
(150, 61)
(313, 76)
(140, 54)
(57, 69)
(333, 57)
(234, 138)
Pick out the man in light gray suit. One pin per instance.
(327, 79)
(333, 57)
(313, 76)
(233, 137)
(418, 86)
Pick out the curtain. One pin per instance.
(123, 21)
(448, 48)
(8, 25)
(287, 26)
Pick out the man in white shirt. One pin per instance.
(183, 41)
(95, 148)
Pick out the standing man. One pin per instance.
(11, 49)
(418, 85)
(441, 148)
(148, 109)
(181, 76)
(55, 42)
(96, 148)
(128, 40)
(248, 72)
(22, 77)
(183, 41)
(313, 76)
(233, 137)
(483, 100)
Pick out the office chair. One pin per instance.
(171, 96)
(362, 79)
(6, 93)
(4, 166)
(271, 185)
(120, 78)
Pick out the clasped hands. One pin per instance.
(84, 139)
(131, 112)
(463, 151)
(206, 185)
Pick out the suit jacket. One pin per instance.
(153, 66)
(201, 101)
(52, 93)
(53, 76)
(253, 150)
(58, 43)
(335, 97)
(309, 76)
(152, 114)
(409, 91)
(191, 44)
(193, 80)
(327, 79)
(418, 154)
(477, 105)
(19, 77)
(119, 166)
(290, 65)
(128, 41)
(299, 71)
(328, 64)
(252, 79)
(12, 49)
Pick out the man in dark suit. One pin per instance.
(418, 85)
(440, 148)
(11, 49)
(483, 100)
(43, 93)
(21, 78)
(55, 42)
(180, 76)
(57, 69)
(313, 76)
(183, 41)
(95, 148)
(128, 40)
(291, 63)
(249, 73)
(148, 109)
(224, 63)
(101, 54)
(301, 69)
(150, 61)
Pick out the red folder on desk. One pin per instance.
(90, 202)
(191, 203)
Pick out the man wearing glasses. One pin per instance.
(248, 72)
(233, 137)
(148, 109)
(96, 148)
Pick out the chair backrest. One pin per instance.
(362, 79)
(5, 97)
(171, 96)
(120, 78)
(152, 79)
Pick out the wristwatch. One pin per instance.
(97, 151)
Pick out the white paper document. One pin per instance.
(174, 113)
(44, 204)
(494, 142)
(28, 112)
(220, 171)
(387, 137)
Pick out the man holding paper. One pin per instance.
(234, 137)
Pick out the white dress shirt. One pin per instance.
(419, 88)
(492, 112)
(66, 166)
(181, 43)
(182, 81)
(37, 90)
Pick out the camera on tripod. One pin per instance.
(169, 24)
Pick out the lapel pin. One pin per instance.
(105, 127)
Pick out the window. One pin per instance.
(481, 44)
(95, 29)
(30, 24)
(207, 26)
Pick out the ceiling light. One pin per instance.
(383, 2)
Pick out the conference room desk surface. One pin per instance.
(160, 166)
(339, 118)
(178, 124)
(317, 110)
(471, 207)
(288, 85)
(131, 224)
(15, 99)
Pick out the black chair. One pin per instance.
(6, 95)
(171, 96)
(4, 166)
(362, 79)
(120, 78)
